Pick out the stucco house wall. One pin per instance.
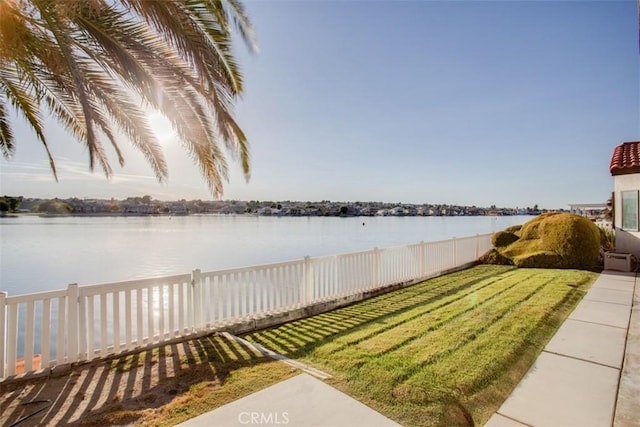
(626, 241)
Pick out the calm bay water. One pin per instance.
(41, 254)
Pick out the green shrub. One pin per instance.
(607, 239)
(529, 229)
(515, 229)
(542, 259)
(522, 246)
(503, 238)
(495, 258)
(553, 240)
(575, 238)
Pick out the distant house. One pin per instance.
(588, 210)
(266, 210)
(398, 211)
(625, 169)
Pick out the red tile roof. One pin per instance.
(625, 159)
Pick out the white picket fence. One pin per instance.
(86, 322)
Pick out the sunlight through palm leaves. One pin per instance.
(98, 66)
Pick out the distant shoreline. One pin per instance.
(134, 214)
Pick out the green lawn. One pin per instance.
(447, 352)
(442, 352)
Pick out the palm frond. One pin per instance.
(7, 145)
(197, 134)
(23, 102)
(131, 120)
(62, 34)
(66, 111)
(240, 145)
(119, 45)
(244, 25)
(231, 133)
(186, 27)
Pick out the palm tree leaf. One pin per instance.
(131, 120)
(185, 28)
(117, 44)
(61, 33)
(197, 135)
(6, 135)
(243, 24)
(24, 102)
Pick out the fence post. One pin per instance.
(308, 281)
(423, 255)
(72, 332)
(3, 332)
(477, 246)
(197, 303)
(455, 253)
(376, 267)
(338, 276)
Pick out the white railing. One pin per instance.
(84, 322)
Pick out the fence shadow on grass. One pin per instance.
(122, 387)
(298, 338)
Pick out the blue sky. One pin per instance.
(478, 103)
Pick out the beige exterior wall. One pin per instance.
(626, 241)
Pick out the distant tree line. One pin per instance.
(54, 207)
(146, 205)
(10, 203)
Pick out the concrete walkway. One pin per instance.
(575, 380)
(299, 401)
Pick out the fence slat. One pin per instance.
(3, 333)
(181, 304)
(128, 320)
(161, 332)
(46, 332)
(172, 303)
(77, 324)
(116, 321)
(12, 339)
(139, 324)
(91, 326)
(150, 308)
(61, 355)
(103, 325)
(29, 337)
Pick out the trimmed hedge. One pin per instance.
(503, 238)
(515, 229)
(494, 257)
(575, 238)
(530, 229)
(542, 259)
(551, 240)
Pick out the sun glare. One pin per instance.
(161, 127)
